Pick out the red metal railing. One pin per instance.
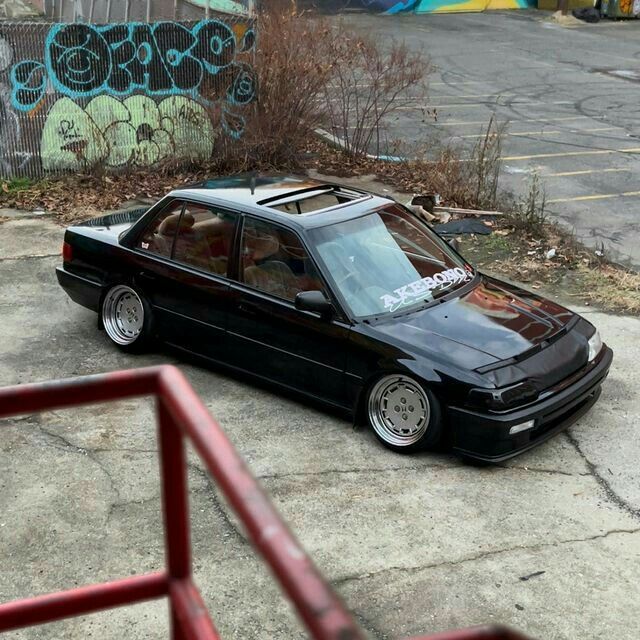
(181, 414)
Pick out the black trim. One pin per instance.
(190, 318)
(344, 407)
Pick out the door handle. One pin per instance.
(147, 275)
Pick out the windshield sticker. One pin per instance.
(422, 288)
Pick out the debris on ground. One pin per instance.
(566, 20)
(463, 225)
(424, 206)
(466, 212)
(535, 574)
(587, 14)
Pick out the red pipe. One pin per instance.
(191, 616)
(317, 605)
(102, 387)
(182, 414)
(75, 602)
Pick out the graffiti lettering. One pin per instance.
(118, 133)
(165, 58)
(126, 94)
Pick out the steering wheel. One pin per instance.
(295, 252)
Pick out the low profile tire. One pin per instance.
(404, 415)
(126, 318)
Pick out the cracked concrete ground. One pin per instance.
(414, 544)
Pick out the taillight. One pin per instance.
(67, 252)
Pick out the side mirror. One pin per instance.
(314, 301)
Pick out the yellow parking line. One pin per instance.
(446, 84)
(474, 95)
(465, 123)
(543, 133)
(601, 196)
(582, 172)
(566, 154)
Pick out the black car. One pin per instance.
(344, 296)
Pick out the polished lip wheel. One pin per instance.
(123, 315)
(399, 410)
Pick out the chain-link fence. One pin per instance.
(105, 11)
(76, 96)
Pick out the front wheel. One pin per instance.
(126, 318)
(404, 416)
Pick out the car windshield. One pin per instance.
(388, 261)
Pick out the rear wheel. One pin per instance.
(126, 318)
(404, 416)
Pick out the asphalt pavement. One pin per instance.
(570, 97)
(548, 543)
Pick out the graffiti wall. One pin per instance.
(418, 6)
(73, 96)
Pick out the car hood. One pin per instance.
(491, 322)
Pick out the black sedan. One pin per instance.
(344, 296)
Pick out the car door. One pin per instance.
(183, 272)
(267, 334)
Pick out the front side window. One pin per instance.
(274, 261)
(388, 261)
(159, 235)
(205, 238)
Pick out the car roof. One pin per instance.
(258, 194)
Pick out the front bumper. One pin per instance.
(485, 436)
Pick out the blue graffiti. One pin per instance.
(28, 83)
(165, 58)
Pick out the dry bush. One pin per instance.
(294, 63)
(312, 74)
(530, 215)
(463, 178)
(369, 83)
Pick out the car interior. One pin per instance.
(274, 261)
(203, 238)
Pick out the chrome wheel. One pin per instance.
(123, 315)
(399, 410)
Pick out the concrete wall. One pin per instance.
(73, 96)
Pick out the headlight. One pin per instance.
(595, 345)
(501, 399)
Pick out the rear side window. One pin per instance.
(205, 238)
(159, 235)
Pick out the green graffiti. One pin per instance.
(135, 131)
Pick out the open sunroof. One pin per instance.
(313, 199)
